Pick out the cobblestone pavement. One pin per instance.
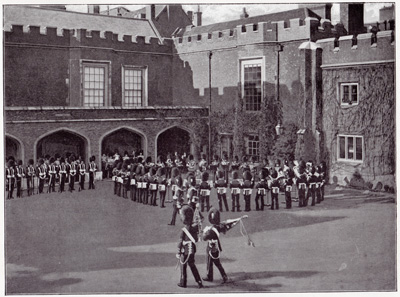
(93, 241)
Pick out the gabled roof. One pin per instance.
(300, 13)
(131, 14)
(35, 16)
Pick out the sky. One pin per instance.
(216, 13)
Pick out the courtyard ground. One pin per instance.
(96, 242)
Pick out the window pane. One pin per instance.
(94, 86)
(342, 148)
(350, 148)
(252, 86)
(358, 148)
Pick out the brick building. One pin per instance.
(294, 60)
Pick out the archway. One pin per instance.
(62, 142)
(122, 140)
(173, 140)
(13, 148)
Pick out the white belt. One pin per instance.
(235, 191)
(275, 190)
(205, 192)
(221, 190)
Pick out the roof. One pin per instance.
(300, 13)
(159, 9)
(35, 16)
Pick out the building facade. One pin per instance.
(95, 84)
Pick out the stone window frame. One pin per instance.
(346, 147)
(253, 151)
(247, 61)
(144, 70)
(340, 94)
(107, 79)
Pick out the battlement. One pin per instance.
(295, 29)
(82, 37)
(354, 49)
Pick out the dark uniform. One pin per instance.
(204, 192)
(274, 190)
(82, 174)
(63, 175)
(10, 173)
(20, 174)
(177, 200)
(153, 185)
(30, 176)
(235, 187)
(302, 186)
(162, 185)
(221, 186)
(71, 169)
(247, 187)
(42, 176)
(92, 172)
(262, 188)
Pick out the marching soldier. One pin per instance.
(125, 180)
(63, 174)
(92, 172)
(288, 184)
(275, 189)
(203, 163)
(225, 166)
(235, 164)
(133, 184)
(30, 176)
(191, 165)
(20, 174)
(187, 247)
(177, 199)
(214, 167)
(323, 179)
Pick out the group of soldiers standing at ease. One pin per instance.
(184, 179)
(63, 171)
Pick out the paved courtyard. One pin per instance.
(93, 241)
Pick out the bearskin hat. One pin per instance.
(318, 169)
(312, 170)
(139, 169)
(301, 170)
(119, 165)
(191, 157)
(187, 214)
(247, 175)
(179, 181)
(214, 216)
(19, 162)
(124, 166)
(148, 159)
(244, 159)
(235, 174)
(30, 162)
(52, 160)
(274, 174)
(204, 176)
(41, 161)
(290, 173)
(220, 174)
(153, 171)
(11, 163)
(175, 172)
(263, 173)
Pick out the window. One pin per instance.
(253, 146)
(348, 94)
(252, 76)
(134, 86)
(350, 148)
(95, 84)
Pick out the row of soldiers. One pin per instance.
(49, 171)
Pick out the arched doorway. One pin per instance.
(13, 148)
(122, 140)
(61, 142)
(173, 140)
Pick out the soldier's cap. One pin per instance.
(220, 174)
(187, 214)
(235, 174)
(214, 216)
(204, 176)
(247, 175)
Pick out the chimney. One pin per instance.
(150, 12)
(94, 9)
(244, 15)
(352, 17)
(197, 18)
(190, 15)
(323, 10)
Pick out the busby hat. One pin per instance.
(204, 176)
(235, 175)
(175, 172)
(274, 174)
(30, 162)
(139, 169)
(247, 175)
(220, 174)
(160, 171)
(214, 216)
(153, 171)
(263, 173)
(179, 181)
(187, 214)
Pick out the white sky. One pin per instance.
(220, 13)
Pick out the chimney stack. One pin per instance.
(190, 15)
(323, 10)
(150, 12)
(244, 15)
(352, 17)
(94, 9)
(197, 17)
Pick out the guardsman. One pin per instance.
(20, 174)
(125, 180)
(92, 172)
(312, 183)
(235, 164)
(30, 177)
(323, 179)
(169, 164)
(177, 199)
(235, 187)
(301, 185)
(221, 185)
(205, 190)
(63, 174)
(72, 173)
(191, 165)
(153, 185)
(162, 185)
(262, 189)
(225, 166)
(138, 179)
(10, 173)
(42, 175)
(203, 163)
(275, 189)
(214, 167)
(211, 234)
(187, 247)
(145, 185)
(52, 176)
(318, 182)
(247, 187)
(244, 166)
(82, 174)
(132, 181)
(288, 185)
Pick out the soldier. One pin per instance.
(288, 184)
(10, 174)
(52, 176)
(205, 192)
(262, 188)
(145, 185)
(221, 185)
(214, 248)
(235, 164)
(152, 179)
(63, 174)
(225, 166)
(203, 163)
(274, 189)
(177, 199)
(92, 172)
(214, 167)
(42, 175)
(312, 182)
(191, 165)
(169, 164)
(247, 186)
(187, 247)
(323, 179)
(20, 174)
(318, 182)
(301, 185)
(132, 182)
(82, 174)
(30, 175)
(125, 180)
(72, 173)
(162, 185)
(138, 178)
(235, 187)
